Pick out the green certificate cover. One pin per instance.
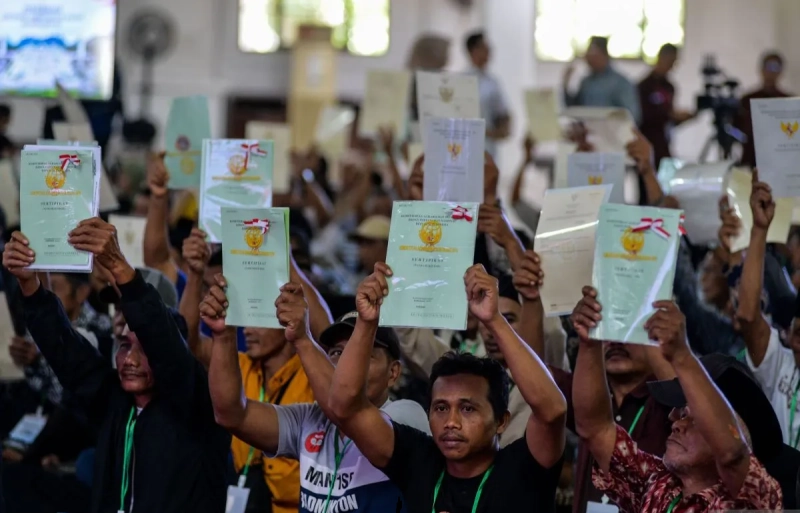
(256, 246)
(634, 265)
(237, 173)
(187, 125)
(57, 191)
(431, 246)
(51, 142)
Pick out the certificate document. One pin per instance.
(738, 188)
(776, 122)
(565, 244)
(72, 131)
(130, 236)
(187, 125)
(598, 169)
(236, 173)
(610, 128)
(281, 136)
(698, 187)
(58, 189)
(385, 102)
(447, 95)
(431, 246)
(636, 249)
(255, 242)
(542, 107)
(9, 192)
(453, 167)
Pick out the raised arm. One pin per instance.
(78, 365)
(357, 417)
(641, 151)
(179, 377)
(591, 399)
(156, 236)
(545, 430)
(755, 328)
(196, 253)
(253, 422)
(527, 280)
(711, 413)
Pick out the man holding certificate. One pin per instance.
(157, 440)
(459, 468)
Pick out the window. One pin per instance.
(360, 27)
(636, 29)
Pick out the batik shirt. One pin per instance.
(637, 481)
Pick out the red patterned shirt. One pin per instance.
(638, 482)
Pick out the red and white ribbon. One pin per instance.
(68, 159)
(681, 228)
(648, 223)
(460, 212)
(259, 223)
(251, 149)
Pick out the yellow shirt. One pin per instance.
(288, 386)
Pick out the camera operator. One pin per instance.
(656, 94)
(771, 69)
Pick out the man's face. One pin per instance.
(625, 359)
(713, 282)
(596, 59)
(382, 373)
(71, 297)
(667, 60)
(686, 447)
(263, 343)
(480, 54)
(461, 417)
(4, 122)
(509, 309)
(771, 71)
(371, 252)
(134, 371)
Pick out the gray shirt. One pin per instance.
(493, 104)
(607, 88)
(306, 434)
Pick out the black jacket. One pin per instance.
(180, 453)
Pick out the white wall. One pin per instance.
(206, 59)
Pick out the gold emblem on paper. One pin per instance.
(55, 178)
(236, 165)
(632, 241)
(430, 233)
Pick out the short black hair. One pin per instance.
(5, 110)
(76, 279)
(506, 288)
(668, 49)
(599, 42)
(473, 40)
(772, 55)
(456, 362)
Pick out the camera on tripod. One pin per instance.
(720, 97)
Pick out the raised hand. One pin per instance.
(416, 179)
(214, 306)
(482, 293)
(528, 145)
(529, 277)
(586, 314)
(386, 138)
(157, 175)
(668, 327)
(196, 251)
(292, 312)
(494, 223)
(761, 203)
(731, 224)
(18, 255)
(641, 151)
(100, 238)
(371, 291)
(23, 352)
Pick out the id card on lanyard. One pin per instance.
(29, 427)
(239, 495)
(127, 459)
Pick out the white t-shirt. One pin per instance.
(780, 379)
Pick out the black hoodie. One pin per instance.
(179, 452)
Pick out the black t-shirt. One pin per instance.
(517, 481)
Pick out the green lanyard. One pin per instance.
(337, 460)
(126, 458)
(243, 477)
(477, 495)
(791, 417)
(636, 420)
(674, 502)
